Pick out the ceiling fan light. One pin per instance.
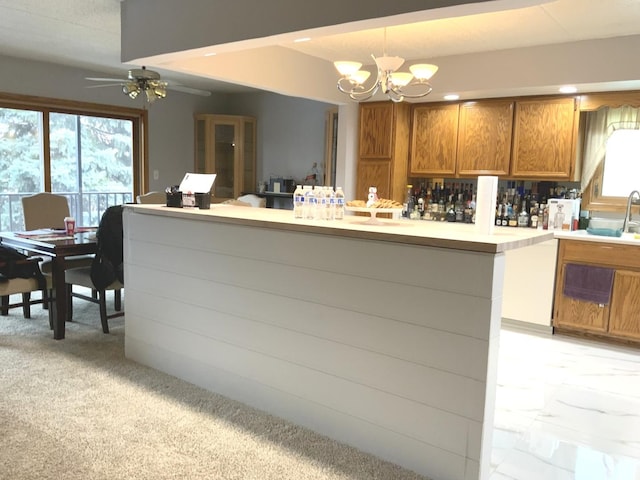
(132, 92)
(423, 71)
(151, 96)
(127, 88)
(347, 69)
(160, 92)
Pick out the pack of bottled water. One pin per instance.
(318, 203)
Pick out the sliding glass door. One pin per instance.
(92, 159)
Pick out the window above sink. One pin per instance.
(609, 146)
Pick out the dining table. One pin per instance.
(59, 247)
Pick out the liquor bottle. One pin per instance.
(428, 200)
(409, 202)
(298, 202)
(459, 207)
(421, 201)
(338, 214)
(505, 215)
(499, 215)
(441, 204)
(523, 216)
(534, 218)
(429, 196)
(451, 214)
(435, 202)
(558, 220)
(513, 217)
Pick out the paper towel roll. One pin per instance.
(486, 204)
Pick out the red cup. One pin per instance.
(70, 225)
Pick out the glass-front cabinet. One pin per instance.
(226, 146)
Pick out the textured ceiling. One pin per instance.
(86, 33)
(559, 21)
(79, 33)
(74, 32)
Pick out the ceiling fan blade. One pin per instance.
(104, 85)
(95, 79)
(193, 91)
(146, 79)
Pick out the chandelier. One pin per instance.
(396, 85)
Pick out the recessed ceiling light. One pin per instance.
(303, 39)
(568, 89)
(210, 54)
(451, 96)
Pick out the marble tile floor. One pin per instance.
(566, 409)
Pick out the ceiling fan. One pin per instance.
(148, 81)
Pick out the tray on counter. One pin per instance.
(373, 212)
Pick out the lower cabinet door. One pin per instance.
(578, 314)
(581, 315)
(624, 319)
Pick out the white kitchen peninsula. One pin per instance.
(384, 337)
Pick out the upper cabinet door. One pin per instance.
(376, 130)
(484, 137)
(434, 138)
(544, 138)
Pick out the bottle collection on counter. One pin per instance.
(556, 209)
(517, 207)
(455, 202)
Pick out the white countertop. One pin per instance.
(583, 236)
(457, 236)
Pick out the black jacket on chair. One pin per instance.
(14, 264)
(107, 266)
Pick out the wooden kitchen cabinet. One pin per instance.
(544, 138)
(579, 314)
(620, 319)
(226, 145)
(484, 137)
(383, 151)
(624, 318)
(434, 140)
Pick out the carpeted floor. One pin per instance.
(76, 409)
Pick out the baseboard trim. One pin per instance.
(513, 324)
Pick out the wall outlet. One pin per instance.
(156, 174)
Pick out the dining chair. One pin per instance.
(45, 210)
(152, 198)
(106, 271)
(48, 210)
(81, 276)
(18, 285)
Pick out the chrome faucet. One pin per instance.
(627, 215)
